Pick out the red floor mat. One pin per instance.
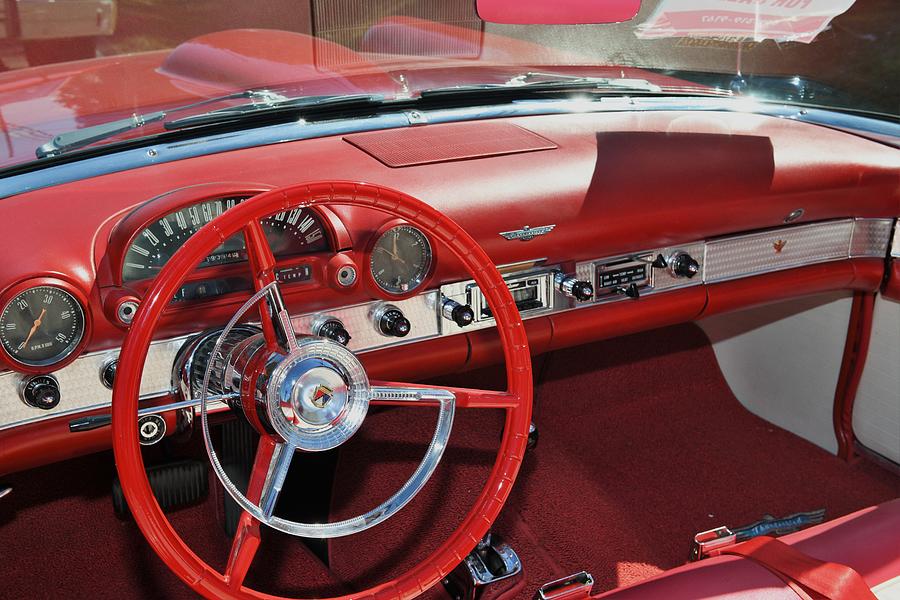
(641, 445)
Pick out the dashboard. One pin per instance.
(622, 223)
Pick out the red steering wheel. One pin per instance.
(287, 360)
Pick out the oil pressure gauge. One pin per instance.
(41, 325)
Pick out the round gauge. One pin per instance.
(41, 325)
(292, 232)
(401, 259)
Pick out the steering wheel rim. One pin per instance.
(516, 400)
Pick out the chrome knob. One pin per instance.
(332, 329)
(461, 314)
(682, 264)
(389, 321)
(40, 391)
(572, 287)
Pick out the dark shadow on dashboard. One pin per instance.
(661, 171)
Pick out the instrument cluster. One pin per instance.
(45, 322)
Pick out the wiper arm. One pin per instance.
(549, 82)
(304, 104)
(80, 138)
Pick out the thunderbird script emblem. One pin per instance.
(779, 245)
(322, 395)
(527, 233)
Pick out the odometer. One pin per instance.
(292, 232)
(41, 325)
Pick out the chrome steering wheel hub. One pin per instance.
(318, 396)
(310, 395)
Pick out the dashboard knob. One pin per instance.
(582, 291)
(41, 391)
(391, 322)
(683, 264)
(108, 373)
(333, 329)
(461, 314)
(631, 290)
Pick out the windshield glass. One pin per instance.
(119, 69)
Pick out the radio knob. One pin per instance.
(461, 314)
(572, 287)
(334, 330)
(631, 291)
(683, 264)
(41, 391)
(391, 322)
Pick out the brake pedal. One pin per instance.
(175, 485)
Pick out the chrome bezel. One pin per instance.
(425, 270)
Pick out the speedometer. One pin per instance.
(292, 232)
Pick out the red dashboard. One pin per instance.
(615, 186)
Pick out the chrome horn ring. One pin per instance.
(301, 423)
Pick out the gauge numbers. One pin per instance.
(296, 231)
(41, 326)
(401, 259)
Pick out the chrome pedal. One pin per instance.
(492, 568)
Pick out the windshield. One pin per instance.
(120, 69)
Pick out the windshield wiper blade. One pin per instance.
(303, 104)
(548, 82)
(80, 138)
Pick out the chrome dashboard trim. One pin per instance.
(721, 259)
(153, 154)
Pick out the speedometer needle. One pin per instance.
(37, 323)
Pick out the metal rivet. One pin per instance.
(794, 215)
(151, 152)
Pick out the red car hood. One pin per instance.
(38, 103)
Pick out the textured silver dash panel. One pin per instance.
(80, 385)
(421, 311)
(871, 237)
(776, 249)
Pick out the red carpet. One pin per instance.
(640, 442)
(641, 445)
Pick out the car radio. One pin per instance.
(617, 276)
(531, 292)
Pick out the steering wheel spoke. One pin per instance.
(404, 394)
(243, 550)
(276, 321)
(277, 470)
(266, 479)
